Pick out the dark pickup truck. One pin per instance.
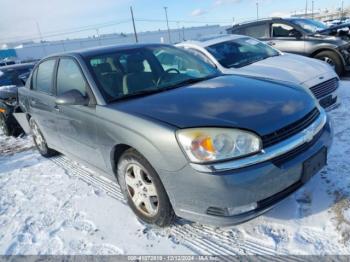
(11, 78)
(302, 36)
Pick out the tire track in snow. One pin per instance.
(200, 238)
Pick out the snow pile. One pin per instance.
(58, 207)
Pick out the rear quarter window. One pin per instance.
(256, 31)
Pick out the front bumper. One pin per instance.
(195, 194)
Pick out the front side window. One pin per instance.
(200, 55)
(282, 30)
(241, 52)
(69, 77)
(145, 70)
(44, 76)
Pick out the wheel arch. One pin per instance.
(317, 51)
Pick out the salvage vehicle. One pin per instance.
(234, 54)
(11, 78)
(178, 136)
(300, 36)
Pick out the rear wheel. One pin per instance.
(143, 189)
(332, 59)
(4, 126)
(40, 141)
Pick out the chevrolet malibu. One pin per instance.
(181, 139)
(243, 55)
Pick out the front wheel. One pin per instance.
(332, 59)
(40, 141)
(143, 190)
(4, 126)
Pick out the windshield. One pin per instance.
(145, 70)
(241, 52)
(310, 26)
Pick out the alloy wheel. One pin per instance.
(38, 138)
(329, 61)
(141, 190)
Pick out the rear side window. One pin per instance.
(44, 76)
(69, 77)
(256, 31)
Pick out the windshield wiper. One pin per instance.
(251, 62)
(162, 89)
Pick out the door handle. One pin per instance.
(56, 108)
(271, 43)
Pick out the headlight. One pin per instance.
(214, 144)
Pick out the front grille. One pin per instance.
(280, 160)
(267, 202)
(325, 88)
(290, 130)
(328, 101)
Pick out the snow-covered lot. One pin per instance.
(58, 207)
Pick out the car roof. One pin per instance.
(17, 66)
(213, 41)
(104, 50)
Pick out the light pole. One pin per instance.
(342, 10)
(167, 23)
(257, 10)
(133, 23)
(312, 9)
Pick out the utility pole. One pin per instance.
(133, 23)
(312, 9)
(183, 33)
(98, 36)
(342, 10)
(257, 10)
(179, 30)
(167, 23)
(41, 38)
(306, 8)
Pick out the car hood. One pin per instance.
(226, 101)
(333, 30)
(286, 67)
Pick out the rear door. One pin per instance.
(41, 100)
(76, 124)
(284, 37)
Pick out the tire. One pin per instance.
(143, 190)
(4, 126)
(40, 141)
(332, 59)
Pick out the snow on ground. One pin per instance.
(58, 207)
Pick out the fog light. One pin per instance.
(241, 209)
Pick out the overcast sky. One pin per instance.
(22, 19)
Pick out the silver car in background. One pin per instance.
(243, 55)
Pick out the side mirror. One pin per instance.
(295, 33)
(24, 77)
(72, 97)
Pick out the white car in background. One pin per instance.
(235, 54)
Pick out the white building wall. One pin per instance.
(40, 50)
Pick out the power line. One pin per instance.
(55, 33)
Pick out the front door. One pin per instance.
(286, 38)
(76, 124)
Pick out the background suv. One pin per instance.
(300, 36)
